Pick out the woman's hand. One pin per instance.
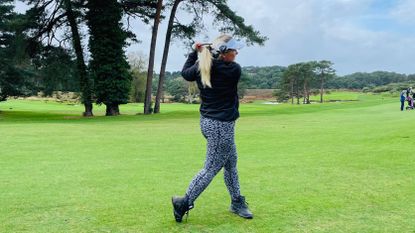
(197, 46)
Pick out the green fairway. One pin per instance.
(337, 96)
(332, 167)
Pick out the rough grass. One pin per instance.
(333, 167)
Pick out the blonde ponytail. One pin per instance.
(205, 64)
(205, 58)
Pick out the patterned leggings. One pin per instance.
(221, 152)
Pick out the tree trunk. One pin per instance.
(321, 88)
(297, 93)
(305, 91)
(292, 91)
(147, 101)
(165, 56)
(85, 84)
(88, 110)
(112, 110)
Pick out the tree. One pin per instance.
(108, 64)
(56, 70)
(12, 39)
(192, 92)
(294, 74)
(138, 64)
(51, 16)
(178, 88)
(307, 76)
(147, 102)
(295, 77)
(324, 71)
(85, 83)
(287, 84)
(165, 55)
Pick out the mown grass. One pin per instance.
(333, 167)
(335, 95)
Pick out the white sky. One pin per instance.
(357, 35)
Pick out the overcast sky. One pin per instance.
(357, 35)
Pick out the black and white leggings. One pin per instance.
(221, 152)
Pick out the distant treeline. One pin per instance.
(270, 77)
(361, 80)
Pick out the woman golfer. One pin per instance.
(212, 66)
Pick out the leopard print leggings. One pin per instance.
(221, 152)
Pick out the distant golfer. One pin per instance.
(212, 66)
(408, 97)
(408, 91)
(403, 98)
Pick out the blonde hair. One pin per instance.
(205, 58)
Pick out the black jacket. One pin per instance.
(221, 102)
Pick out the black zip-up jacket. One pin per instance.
(221, 102)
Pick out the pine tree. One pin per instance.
(11, 75)
(108, 65)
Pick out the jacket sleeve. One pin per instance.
(190, 69)
(238, 72)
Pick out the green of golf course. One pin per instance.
(346, 166)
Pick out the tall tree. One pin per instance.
(294, 78)
(55, 70)
(165, 55)
(147, 102)
(324, 71)
(288, 82)
(108, 65)
(12, 44)
(52, 16)
(307, 75)
(85, 83)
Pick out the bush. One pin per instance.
(366, 89)
(281, 95)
